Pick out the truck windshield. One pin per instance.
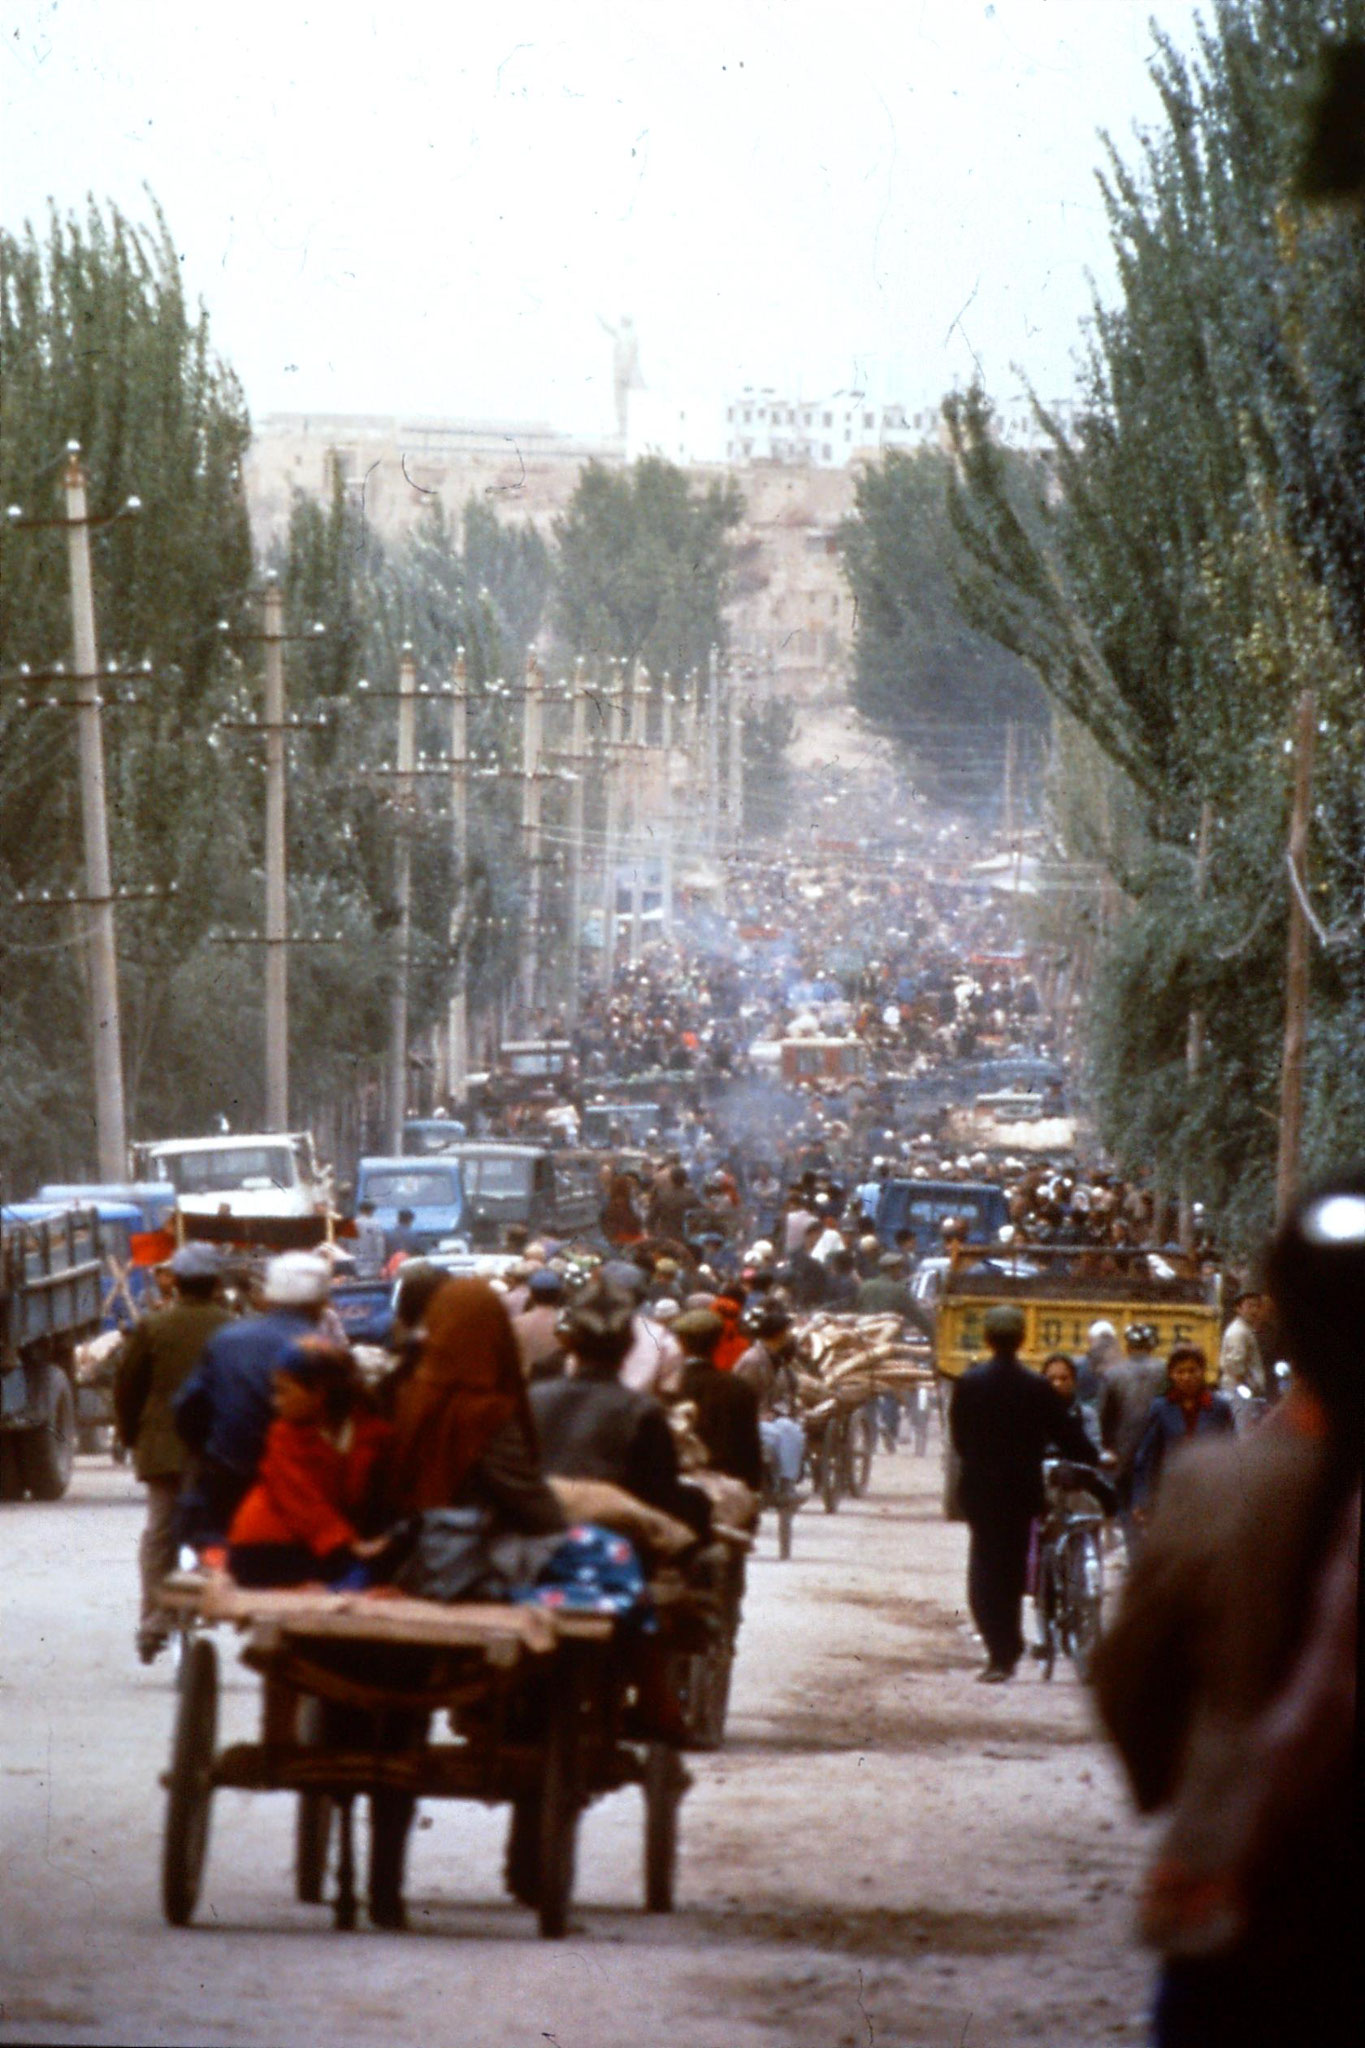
(236, 1167)
(494, 1179)
(421, 1188)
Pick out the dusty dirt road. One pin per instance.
(886, 1855)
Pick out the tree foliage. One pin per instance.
(1192, 560)
(922, 671)
(100, 345)
(645, 566)
(768, 728)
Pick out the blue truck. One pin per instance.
(52, 1275)
(432, 1187)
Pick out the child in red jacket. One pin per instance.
(302, 1520)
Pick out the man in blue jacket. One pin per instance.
(1003, 1419)
(225, 1407)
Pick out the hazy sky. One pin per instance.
(426, 208)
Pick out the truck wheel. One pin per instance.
(11, 1471)
(48, 1453)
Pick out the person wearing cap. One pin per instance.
(727, 1408)
(1126, 1396)
(653, 1359)
(886, 1294)
(154, 1361)
(1228, 1680)
(767, 1368)
(869, 1253)
(1102, 1351)
(1003, 1420)
(225, 1406)
(593, 1426)
(536, 1329)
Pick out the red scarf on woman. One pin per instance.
(468, 1384)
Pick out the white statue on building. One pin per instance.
(625, 366)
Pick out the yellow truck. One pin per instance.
(1062, 1290)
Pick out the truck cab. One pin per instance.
(255, 1174)
(551, 1192)
(433, 1188)
(923, 1205)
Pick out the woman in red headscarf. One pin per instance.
(463, 1436)
(463, 1431)
(620, 1219)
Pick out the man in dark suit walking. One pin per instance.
(1003, 1419)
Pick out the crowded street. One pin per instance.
(882, 1853)
(682, 1025)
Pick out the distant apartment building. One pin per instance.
(392, 467)
(764, 425)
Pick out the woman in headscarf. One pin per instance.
(463, 1431)
(619, 1218)
(463, 1436)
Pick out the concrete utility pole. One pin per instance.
(578, 762)
(735, 764)
(396, 1079)
(276, 875)
(533, 728)
(1296, 965)
(611, 775)
(457, 1018)
(1194, 1029)
(111, 1136)
(1011, 832)
(713, 752)
(666, 752)
(639, 766)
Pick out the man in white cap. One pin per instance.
(154, 1361)
(224, 1408)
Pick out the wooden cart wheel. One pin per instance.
(313, 1820)
(560, 1803)
(312, 1840)
(831, 1457)
(664, 1784)
(710, 1695)
(521, 1862)
(190, 1782)
(862, 1437)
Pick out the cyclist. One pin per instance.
(1059, 1370)
(767, 1368)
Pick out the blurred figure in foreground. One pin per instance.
(1228, 1682)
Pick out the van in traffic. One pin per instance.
(433, 1189)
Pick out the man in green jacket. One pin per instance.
(158, 1354)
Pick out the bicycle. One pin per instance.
(1068, 1592)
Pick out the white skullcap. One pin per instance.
(297, 1280)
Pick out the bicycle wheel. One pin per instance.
(1084, 1592)
(862, 1441)
(1046, 1605)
